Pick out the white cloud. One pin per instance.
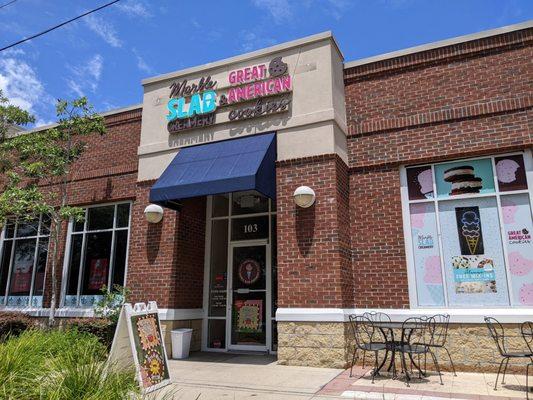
(103, 29)
(20, 84)
(253, 41)
(86, 77)
(141, 63)
(134, 8)
(280, 10)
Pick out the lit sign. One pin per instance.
(194, 105)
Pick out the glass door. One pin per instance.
(250, 311)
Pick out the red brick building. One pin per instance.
(421, 171)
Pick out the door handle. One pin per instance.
(243, 291)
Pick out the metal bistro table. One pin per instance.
(391, 342)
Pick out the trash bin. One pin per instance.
(181, 342)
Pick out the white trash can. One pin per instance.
(181, 342)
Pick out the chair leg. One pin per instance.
(451, 361)
(504, 371)
(354, 355)
(364, 357)
(498, 374)
(375, 372)
(436, 365)
(404, 367)
(527, 381)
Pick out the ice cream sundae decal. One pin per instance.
(469, 228)
(249, 271)
(463, 180)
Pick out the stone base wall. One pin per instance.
(330, 344)
(195, 325)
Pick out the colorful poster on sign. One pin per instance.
(428, 270)
(473, 274)
(469, 230)
(98, 273)
(249, 315)
(474, 263)
(511, 173)
(464, 177)
(518, 226)
(150, 352)
(420, 183)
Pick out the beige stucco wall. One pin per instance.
(315, 123)
(329, 344)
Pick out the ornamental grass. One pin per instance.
(60, 365)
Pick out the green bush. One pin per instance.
(14, 323)
(60, 365)
(102, 328)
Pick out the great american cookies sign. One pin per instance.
(253, 91)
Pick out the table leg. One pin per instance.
(386, 352)
(392, 364)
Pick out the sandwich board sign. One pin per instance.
(139, 341)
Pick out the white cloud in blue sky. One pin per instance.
(86, 76)
(104, 29)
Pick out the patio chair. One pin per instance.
(497, 333)
(376, 316)
(527, 334)
(419, 335)
(364, 337)
(442, 322)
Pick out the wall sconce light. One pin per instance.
(153, 213)
(304, 196)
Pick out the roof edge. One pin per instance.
(103, 114)
(441, 43)
(246, 56)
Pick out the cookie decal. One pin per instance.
(277, 67)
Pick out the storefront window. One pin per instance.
(23, 255)
(97, 255)
(470, 245)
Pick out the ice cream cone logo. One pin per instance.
(470, 230)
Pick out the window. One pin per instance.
(97, 254)
(23, 255)
(468, 232)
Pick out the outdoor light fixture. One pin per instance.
(304, 196)
(153, 213)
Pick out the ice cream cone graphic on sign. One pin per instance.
(469, 227)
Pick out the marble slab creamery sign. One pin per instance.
(253, 91)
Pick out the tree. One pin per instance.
(37, 168)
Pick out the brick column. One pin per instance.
(166, 260)
(314, 268)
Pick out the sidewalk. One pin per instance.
(471, 386)
(212, 376)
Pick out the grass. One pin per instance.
(60, 365)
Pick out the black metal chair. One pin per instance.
(442, 322)
(418, 336)
(377, 316)
(497, 333)
(364, 335)
(527, 334)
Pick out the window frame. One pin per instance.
(84, 232)
(497, 194)
(38, 237)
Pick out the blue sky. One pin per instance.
(105, 55)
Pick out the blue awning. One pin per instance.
(233, 165)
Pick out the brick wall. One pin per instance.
(106, 173)
(464, 100)
(313, 243)
(166, 260)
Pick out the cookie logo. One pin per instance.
(277, 67)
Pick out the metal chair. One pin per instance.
(442, 322)
(497, 333)
(527, 334)
(376, 316)
(364, 334)
(419, 335)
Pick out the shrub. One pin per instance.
(60, 365)
(102, 328)
(14, 323)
